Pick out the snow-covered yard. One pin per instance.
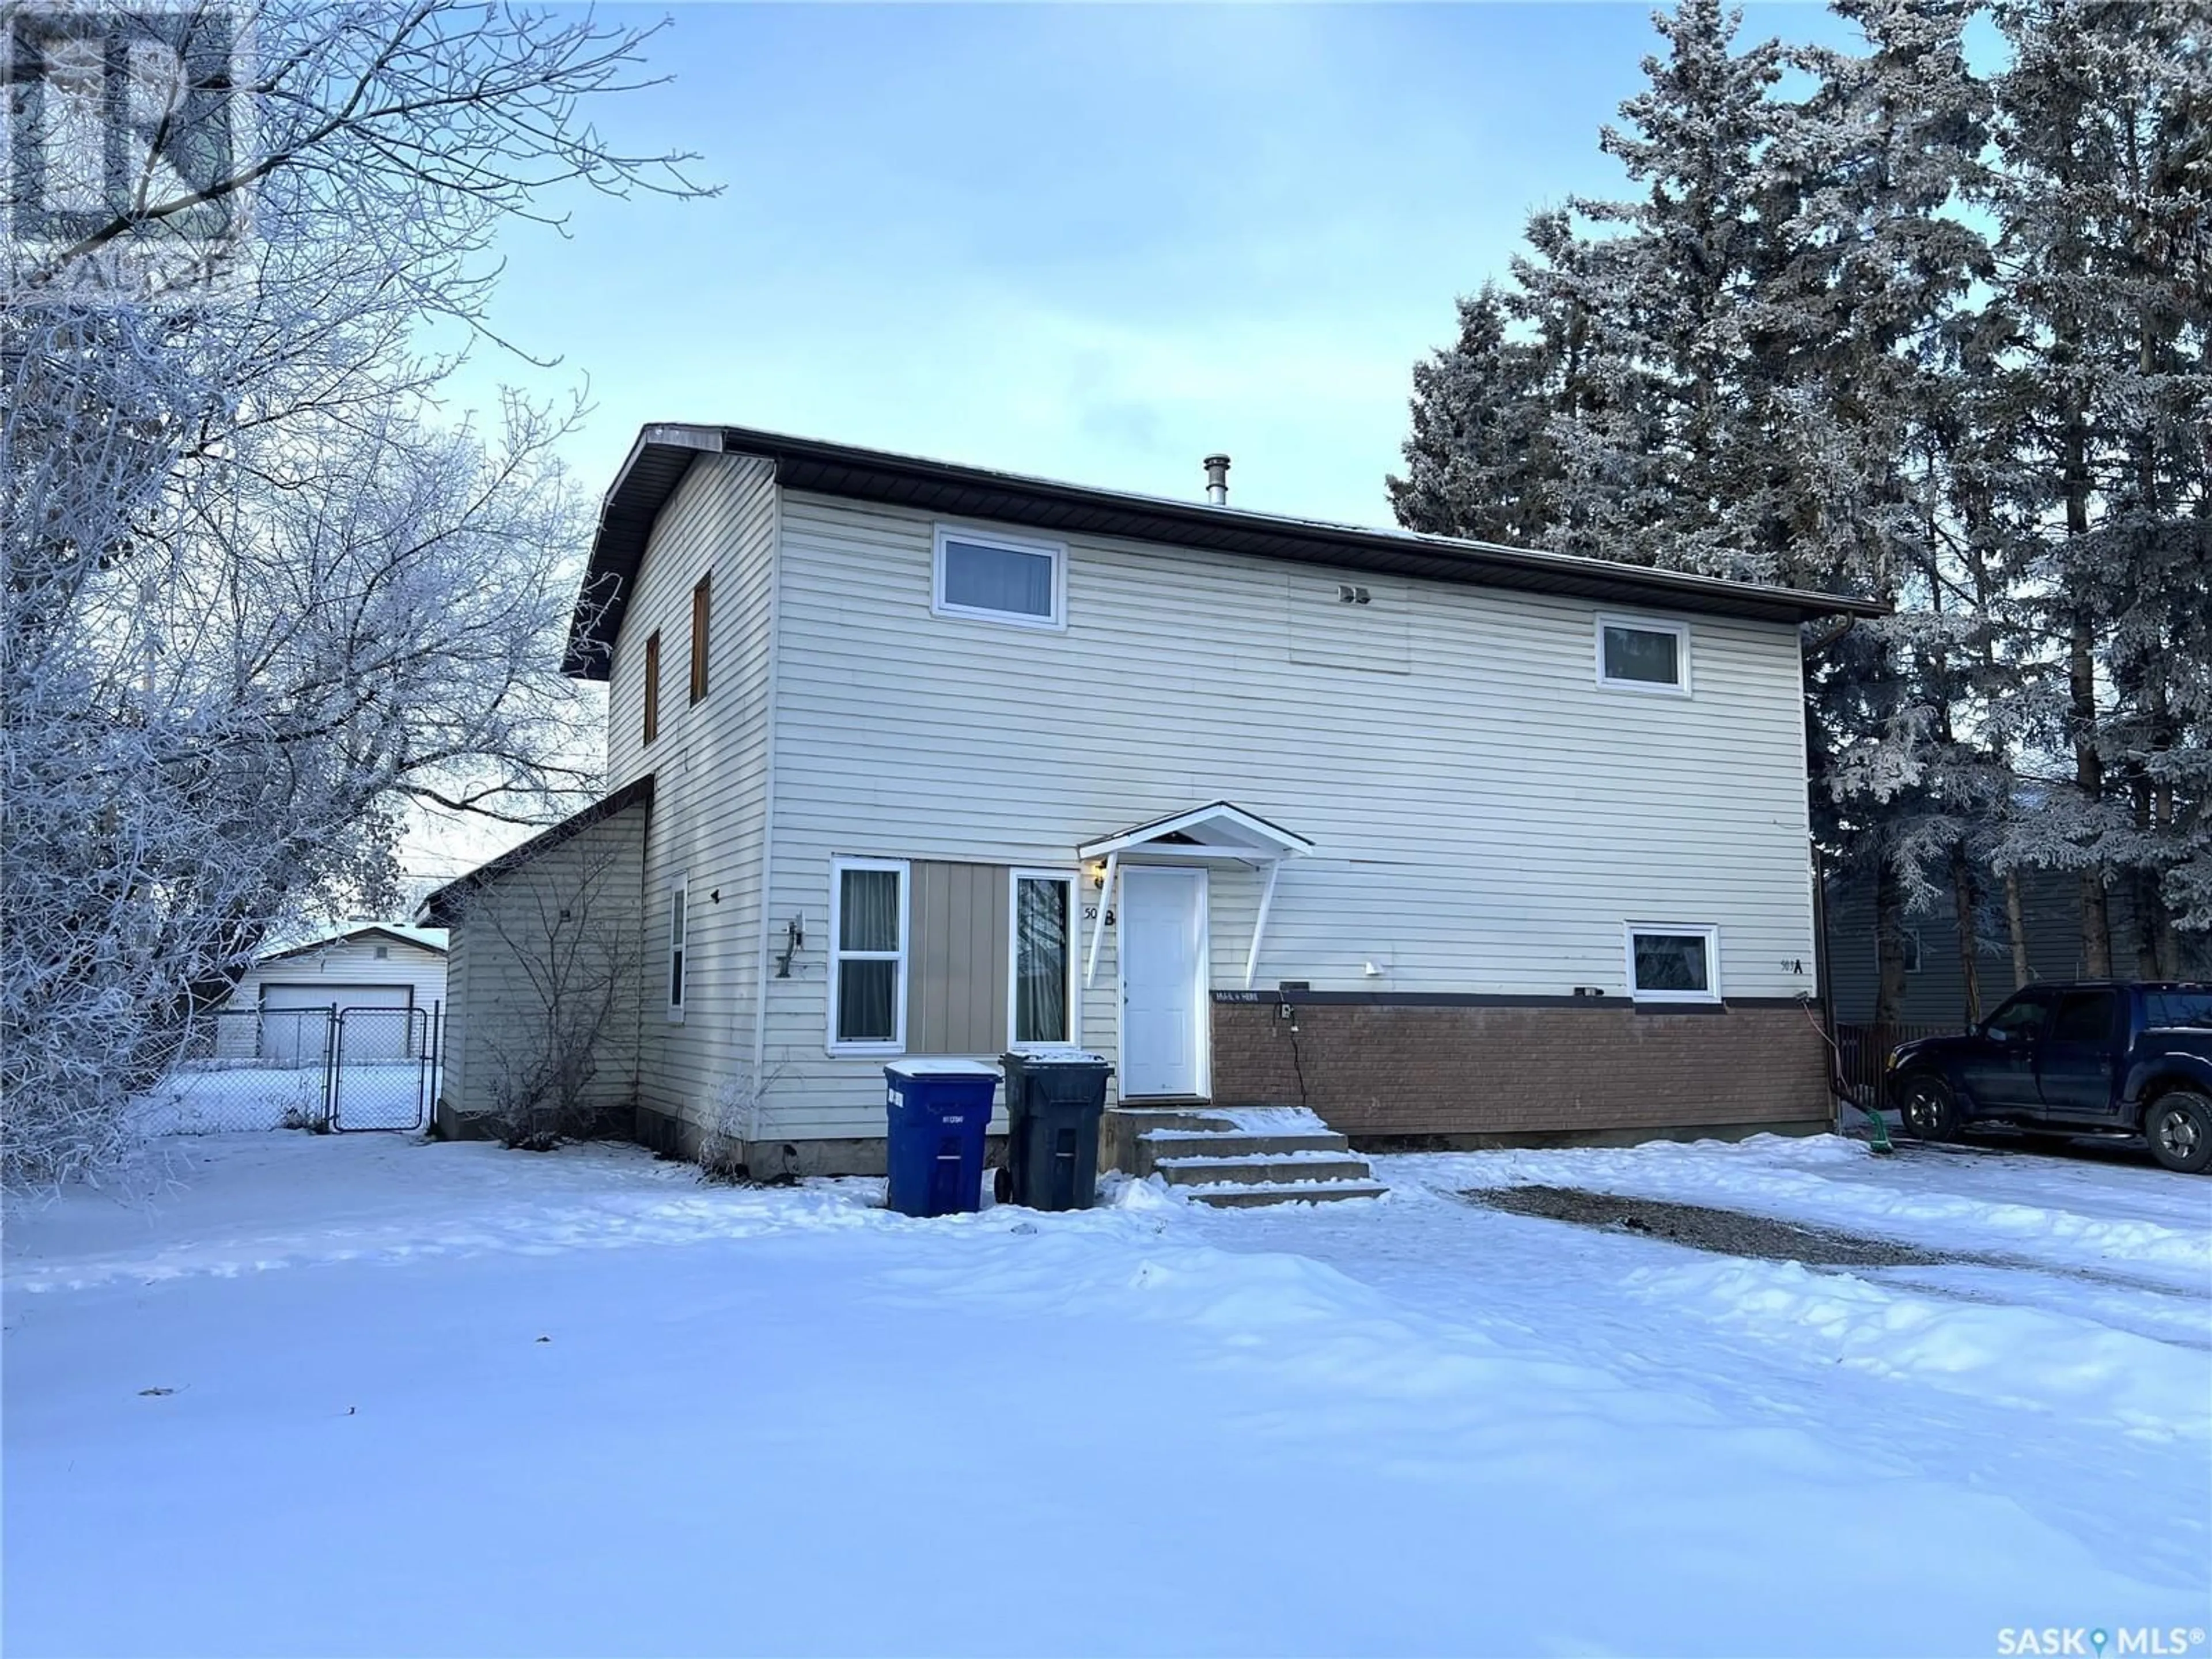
(451, 1400)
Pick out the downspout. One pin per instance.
(769, 704)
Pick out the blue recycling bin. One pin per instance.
(938, 1110)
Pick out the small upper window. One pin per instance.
(1001, 581)
(701, 612)
(653, 686)
(1669, 964)
(1642, 656)
(384, 953)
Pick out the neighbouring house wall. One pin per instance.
(498, 1014)
(339, 965)
(1934, 991)
(709, 766)
(1485, 816)
(1380, 1073)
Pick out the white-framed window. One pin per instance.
(1674, 962)
(998, 579)
(1638, 653)
(1043, 1011)
(678, 922)
(867, 956)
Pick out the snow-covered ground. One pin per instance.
(452, 1399)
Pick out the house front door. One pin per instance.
(1163, 951)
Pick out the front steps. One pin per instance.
(1237, 1157)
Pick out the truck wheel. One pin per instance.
(2179, 1127)
(1928, 1109)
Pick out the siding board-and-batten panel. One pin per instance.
(956, 969)
(709, 762)
(1485, 816)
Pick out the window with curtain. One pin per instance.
(702, 607)
(1043, 907)
(869, 1003)
(653, 686)
(1672, 963)
(998, 581)
(1646, 657)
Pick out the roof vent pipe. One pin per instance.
(1216, 480)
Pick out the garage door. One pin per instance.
(296, 1019)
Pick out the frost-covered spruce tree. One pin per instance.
(1476, 461)
(2104, 199)
(260, 596)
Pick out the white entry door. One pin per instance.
(1163, 950)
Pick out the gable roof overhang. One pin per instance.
(410, 936)
(663, 454)
(1206, 833)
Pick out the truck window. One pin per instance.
(2178, 1010)
(2023, 1016)
(2085, 1017)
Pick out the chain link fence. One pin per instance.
(320, 1069)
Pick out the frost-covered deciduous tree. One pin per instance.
(565, 939)
(261, 593)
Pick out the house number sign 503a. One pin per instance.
(1090, 914)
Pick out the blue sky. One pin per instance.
(1091, 242)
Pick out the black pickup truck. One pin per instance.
(2073, 1060)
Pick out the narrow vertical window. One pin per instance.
(677, 896)
(652, 686)
(1043, 960)
(867, 977)
(701, 596)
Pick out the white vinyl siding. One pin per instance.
(709, 767)
(1484, 817)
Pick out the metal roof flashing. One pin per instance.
(664, 453)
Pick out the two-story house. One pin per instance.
(1447, 842)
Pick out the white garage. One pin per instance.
(280, 1012)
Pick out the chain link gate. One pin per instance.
(382, 1068)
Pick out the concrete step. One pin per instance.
(1294, 1168)
(1157, 1145)
(1308, 1192)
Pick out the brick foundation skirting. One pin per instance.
(1382, 1071)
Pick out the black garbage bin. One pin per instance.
(1053, 1103)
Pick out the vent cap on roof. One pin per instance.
(1216, 480)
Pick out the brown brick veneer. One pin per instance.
(1382, 1072)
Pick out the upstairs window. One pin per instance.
(652, 686)
(1635, 655)
(989, 577)
(1672, 963)
(700, 606)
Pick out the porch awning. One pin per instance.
(1216, 834)
(1205, 833)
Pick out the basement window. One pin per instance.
(994, 579)
(1670, 962)
(1637, 655)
